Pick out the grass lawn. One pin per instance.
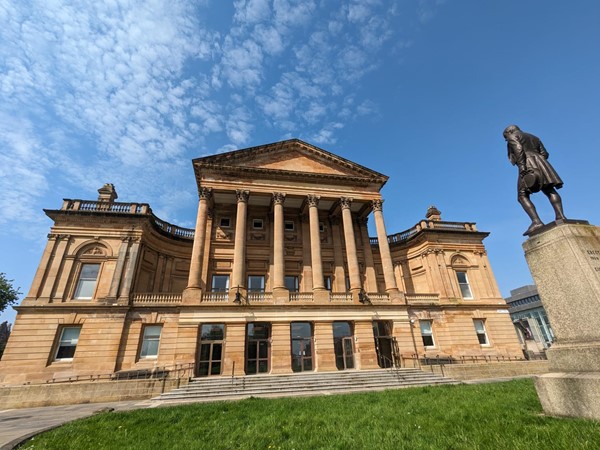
(495, 416)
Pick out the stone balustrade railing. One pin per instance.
(426, 225)
(301, 297)
(156, 298)
(260, 297)
(376, 297)
(128, 208)
(215, 297)
(340, 297)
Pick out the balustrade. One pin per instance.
(301, 297)
(156, 298)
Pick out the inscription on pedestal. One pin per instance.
(594, 256)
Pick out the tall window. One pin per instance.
(86, 284)
(480, 330)
(327, 282)
(427, 333)
(150, 341)
(67, 343)
(220, 283)
(291, 283)
(463, 282)
(256, 283)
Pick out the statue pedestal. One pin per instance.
(564, 260)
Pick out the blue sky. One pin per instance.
(128, 92)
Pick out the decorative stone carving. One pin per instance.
(377, 204)
(313, 200)
(242, 196)
(278, 198)
(346, 202)
(205, 193)
(95, 251)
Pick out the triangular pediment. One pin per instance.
(293, 157)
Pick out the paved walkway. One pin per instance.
(19, 424)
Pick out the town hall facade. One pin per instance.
(279, 275)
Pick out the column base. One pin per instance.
(574, 394)
(191, 296)
(574, 357)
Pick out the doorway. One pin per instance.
(343, 343)
(258, 348)
(385, 344)
(210, 350)
(302, 346)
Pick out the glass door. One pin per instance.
(343, 343)
(258, 347)
(302, 346)
(210, 350)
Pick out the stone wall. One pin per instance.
(31, 396)
(464, 372)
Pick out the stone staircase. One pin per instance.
(300, 384)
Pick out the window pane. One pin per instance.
(87, 281)
(425, 327)
(291, 283)
(67, 344)
(212, 332)
(342, 329)
(256, 283)
(479, 326)
(462, 277)
(220, 283)
(150, 341)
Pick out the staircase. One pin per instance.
(300, 384)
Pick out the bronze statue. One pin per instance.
(527, 152)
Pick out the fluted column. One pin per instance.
(278, 251)
(199, 237)
(353, 269)
(315, 242)
(239, 248)
(384, 248)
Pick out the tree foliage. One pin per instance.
(8, 294)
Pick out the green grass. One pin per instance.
(486, 416)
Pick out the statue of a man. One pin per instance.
(527, 152)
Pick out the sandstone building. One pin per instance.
(280, 275)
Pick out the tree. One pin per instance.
(8, 294)
(4, 335)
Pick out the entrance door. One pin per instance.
(258, 347)
(210, 350)
(343, 343)
(302, 346)
(384, 343)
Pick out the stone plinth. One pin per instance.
(565, 264)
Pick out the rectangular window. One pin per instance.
(291, 283)
(69, 336)
(220, 283)
(257, 224)
(321, 227)
(463, 282)
(86, 284)
(150, 341)
(256, 283)
(288, 225)
(427, 333)
(480, 330)
(225, 222)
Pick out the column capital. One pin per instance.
(278, 198)
(377, 204)
(312, 200)
(346, 202)
(242, 196)
(205, 193)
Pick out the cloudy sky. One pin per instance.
(128, 92)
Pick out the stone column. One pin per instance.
(199, 236)
(339, 284)
(134, 251)
(353, 269)
(370, 277)
(278, 249)
(118, 274)
(384, 248)
(315, 243)
(37, 284)
(239, 246)
(54, 267)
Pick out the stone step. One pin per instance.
(302, 384)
